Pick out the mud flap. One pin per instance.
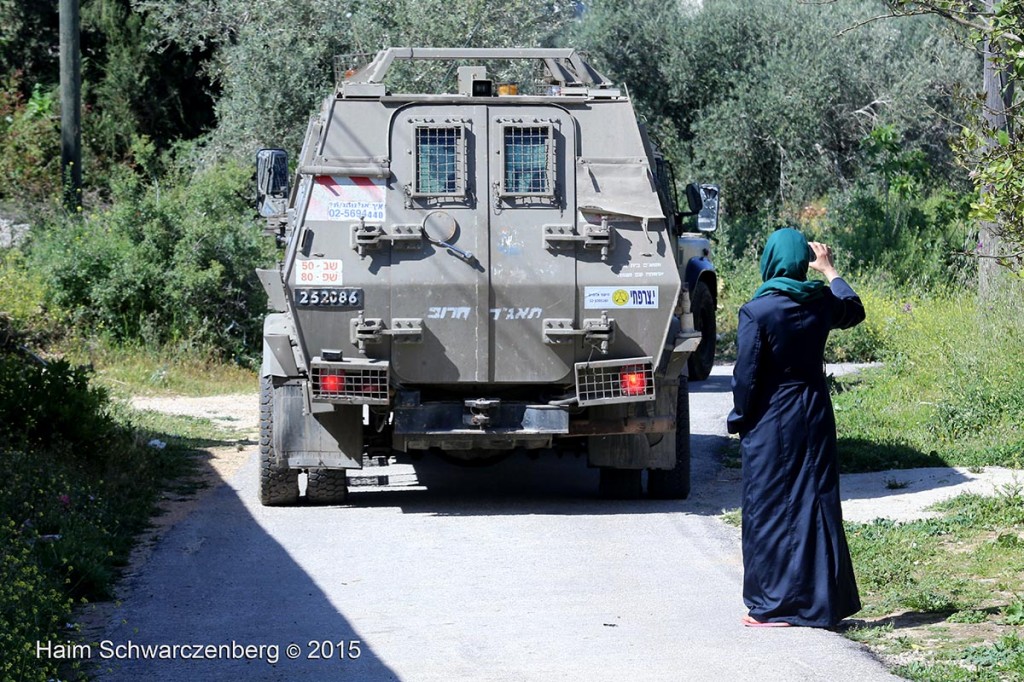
(331, 440)
(635, 451)
(639, 451)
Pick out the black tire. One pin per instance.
(620, 484)
(702, 305)
(327, 486)
(674, 484)
(278, 485)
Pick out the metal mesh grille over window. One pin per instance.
(439, 161)
(528, 160)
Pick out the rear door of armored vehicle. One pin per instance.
(484, 180)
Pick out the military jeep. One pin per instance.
(481, 272)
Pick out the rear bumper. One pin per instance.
(506, 425)
(462, 426)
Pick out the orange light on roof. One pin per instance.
(633, 383)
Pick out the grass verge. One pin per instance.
(943, 597)
(949, 393)
(82, 477)
(139, 371)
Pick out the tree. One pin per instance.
(991, 148)
(773, 99)
(273, 58)
(130, 91)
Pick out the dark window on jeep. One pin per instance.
(440, 162)
(529, 161)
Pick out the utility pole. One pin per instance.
(70, 105)
(998, 99)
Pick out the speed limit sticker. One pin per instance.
(318, 273)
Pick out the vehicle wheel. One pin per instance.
(674, 484)
(620, 484)
(327, 486)
(278, 485)
(702, 304)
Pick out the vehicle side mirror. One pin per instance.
(272, 182)
(693, 199)
(707, 214)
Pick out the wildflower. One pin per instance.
(907, 307)
(65, 500)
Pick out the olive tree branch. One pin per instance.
(890, 15)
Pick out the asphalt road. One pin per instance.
(513, 572)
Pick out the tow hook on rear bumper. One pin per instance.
(479, 411)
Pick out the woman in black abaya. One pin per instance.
(796, 563)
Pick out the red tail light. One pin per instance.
(332, 383)
(633, 383)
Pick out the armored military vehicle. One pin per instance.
(480, 272)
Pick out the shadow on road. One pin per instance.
(716, 383)
(219, 578)
(519, 485)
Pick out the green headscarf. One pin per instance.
(784, 267)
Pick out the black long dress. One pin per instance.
(796, 562)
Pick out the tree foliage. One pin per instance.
(773, 98)
(171, 261)
(132, 90)
(991, 147)
(29, 142)
(273, 58)
(129, 90)
(28, 41)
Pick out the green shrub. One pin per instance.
(78, 486)
(29, 143)
(32, 608)
(910, 243)
(867, 342)
(170, 261)
(50, 406)
(22, 290)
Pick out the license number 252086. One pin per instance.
(329, 298)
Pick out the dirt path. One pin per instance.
(236, 410)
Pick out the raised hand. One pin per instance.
(823, 262)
